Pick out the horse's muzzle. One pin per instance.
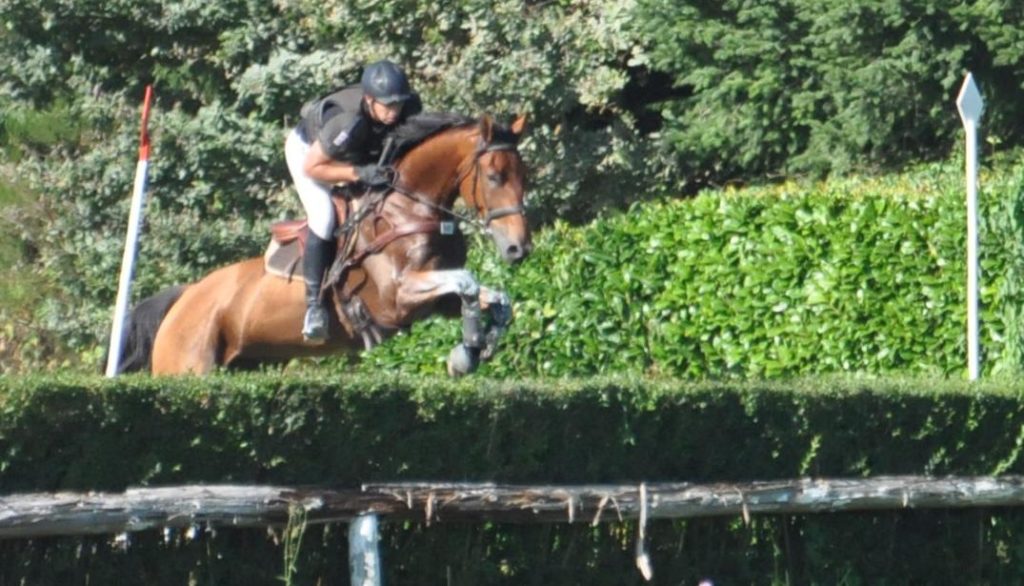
(514, 253)
(513, 248)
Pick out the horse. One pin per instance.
(403, 261)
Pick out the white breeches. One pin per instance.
(314, 195)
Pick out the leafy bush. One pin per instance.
(863, 275)
(623, 109)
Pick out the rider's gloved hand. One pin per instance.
(373, 175)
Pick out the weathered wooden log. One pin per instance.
(595, 503)
(65, 513)
(45, 514)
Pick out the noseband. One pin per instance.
(493, 214)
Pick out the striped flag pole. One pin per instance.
(131, 241)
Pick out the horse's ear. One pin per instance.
(486, 129)
(519, 125)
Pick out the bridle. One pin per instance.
(490, 214)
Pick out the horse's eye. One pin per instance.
(495, 178)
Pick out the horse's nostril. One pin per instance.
(513, 252)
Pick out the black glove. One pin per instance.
(373, 175)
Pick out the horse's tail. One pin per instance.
(140, 329)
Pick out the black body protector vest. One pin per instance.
(346, 130)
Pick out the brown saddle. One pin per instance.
(286, 231)
(288, 241)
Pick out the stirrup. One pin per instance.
(314, 326)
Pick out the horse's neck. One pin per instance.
(432, 168)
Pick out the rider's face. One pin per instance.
(386, 114)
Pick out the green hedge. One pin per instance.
(97, 434)
(60, 433)
(863, 275)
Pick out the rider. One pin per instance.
(338, 142)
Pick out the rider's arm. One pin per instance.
(330, 154)
(320, 166)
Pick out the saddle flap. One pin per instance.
(288, 242)
(282, 260)
(286, 231)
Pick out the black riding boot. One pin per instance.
(317, 257)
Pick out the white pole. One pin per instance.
(364, 551)
(131, 242)
(971, 107)
(972, 250)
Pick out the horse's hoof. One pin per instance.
(313, 341)
(463, 360)
(491, 343)
(501, 313)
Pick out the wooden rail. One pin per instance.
(46, 514)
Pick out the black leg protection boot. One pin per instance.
(315, 260)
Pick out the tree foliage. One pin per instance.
(628, 101)
(806, 86)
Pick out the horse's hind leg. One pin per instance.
(194, 356)
(188, 341)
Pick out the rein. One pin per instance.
(491, 215)
(353, 258)
(356, 257)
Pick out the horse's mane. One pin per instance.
(420, 127)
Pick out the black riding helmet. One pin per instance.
(386, 82)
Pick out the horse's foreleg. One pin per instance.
(497, 304)
(420, 288)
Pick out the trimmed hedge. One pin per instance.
(60, 433)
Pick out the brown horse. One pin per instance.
(405, 264)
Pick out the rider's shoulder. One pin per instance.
(348, 97)
(344, 100)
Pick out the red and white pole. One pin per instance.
(131, 241)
